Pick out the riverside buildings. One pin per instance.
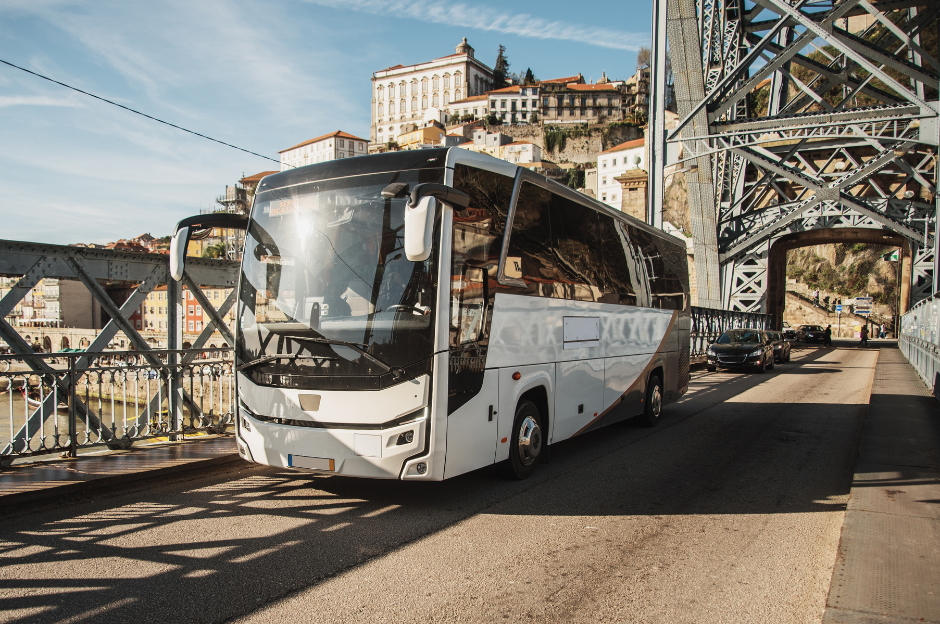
(403, 97)
(330, 146)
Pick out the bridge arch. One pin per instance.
(777, 261)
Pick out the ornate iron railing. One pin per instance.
(708, 324)
(59, 402)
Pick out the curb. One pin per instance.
(49, 494)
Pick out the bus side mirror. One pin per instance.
(186, 227)
(178, 253)
(419, 223)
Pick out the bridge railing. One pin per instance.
(60, 402)
(919, 340)
(708, 324)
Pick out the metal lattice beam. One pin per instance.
(813, 114)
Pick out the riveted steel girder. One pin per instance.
(817, 114)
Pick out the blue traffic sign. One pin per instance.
(839, 308)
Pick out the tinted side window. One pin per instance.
(575, 230)
(674, 286)
(530, 257)
(620, 278)
(477, 244)
(666, 270)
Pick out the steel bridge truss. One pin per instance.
(99, 269)
(800, 115)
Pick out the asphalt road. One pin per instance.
(729, 511)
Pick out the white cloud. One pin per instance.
(36, 100)
(485, 18)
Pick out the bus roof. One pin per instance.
(432, 158)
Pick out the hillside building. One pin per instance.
(521, 152)
(615, 162)
(413, 93)
(514, 105)
(330, 146)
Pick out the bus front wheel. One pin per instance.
(526, 442)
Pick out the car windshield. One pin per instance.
(324, 263)
(740, 336)
(812, 328)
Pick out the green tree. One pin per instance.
(534, 118)
(493, 120)
(214, 251)
(501, 69)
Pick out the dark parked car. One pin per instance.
(750, 349)
(781, 346)
(811, 333)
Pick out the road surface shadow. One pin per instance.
(232, 543)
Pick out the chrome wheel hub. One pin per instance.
(530, 441)
(656, 401)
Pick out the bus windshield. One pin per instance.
(328, 299)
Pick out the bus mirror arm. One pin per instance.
(185, 229)
(447, 194)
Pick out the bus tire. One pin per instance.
(526, 442)
(711, 369)
(653, 406)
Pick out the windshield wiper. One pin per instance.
(396, 371)
(284, 356)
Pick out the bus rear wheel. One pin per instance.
(526, 442)
(653, 407)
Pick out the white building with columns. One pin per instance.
(402, 95)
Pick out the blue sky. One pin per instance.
(261, 75)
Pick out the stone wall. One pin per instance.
(578, 150)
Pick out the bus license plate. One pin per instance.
(310, 463)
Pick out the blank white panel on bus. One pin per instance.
(582, 332)
(579, 395)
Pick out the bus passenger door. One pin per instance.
(471, 421)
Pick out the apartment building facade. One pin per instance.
(330, 146)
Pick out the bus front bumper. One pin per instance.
(377, 454)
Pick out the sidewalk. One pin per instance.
(46, 481)
(888, 566)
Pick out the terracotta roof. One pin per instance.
(338, 133)
(520, 143)
(510, 89)
(763, 83)
(467, 143)
(257, 177)
(626, 146)
(567, 79)
(603, 86)
(474, 98)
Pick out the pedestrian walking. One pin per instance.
(828, 341)
(816, 297)
(864, 341)
(884, 331)
(826, 303)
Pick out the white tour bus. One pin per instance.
(390, 324)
